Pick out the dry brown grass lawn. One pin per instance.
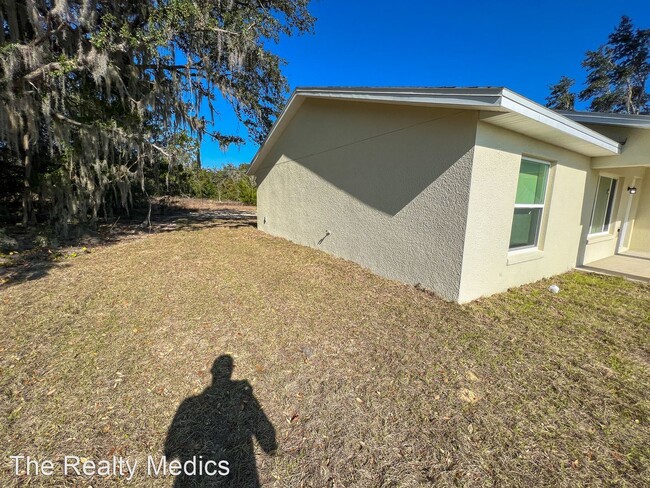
(368, 382)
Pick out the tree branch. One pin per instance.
(43, 37)
(40, 72)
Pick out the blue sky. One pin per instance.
(524, 45)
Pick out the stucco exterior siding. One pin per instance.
(635, 143)
(628, 168)
(640, 234)
(389, 182)
(488, 265)
(602, 246)
(419, 184)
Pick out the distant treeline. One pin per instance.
(228, 183)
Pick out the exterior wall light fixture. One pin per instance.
(631, 190)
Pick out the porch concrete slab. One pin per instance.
(634, 265)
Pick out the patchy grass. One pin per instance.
(367, 382)
(34, 250)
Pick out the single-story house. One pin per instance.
(465, 191)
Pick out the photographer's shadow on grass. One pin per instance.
(219, 425)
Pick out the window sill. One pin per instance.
(602, 237)
(524, 255)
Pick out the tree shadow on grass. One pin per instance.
(169, 215)
(29, 265)
(219, 425)
(31, 262)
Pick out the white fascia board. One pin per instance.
(485, 99)
(521, 105)
(470, 99)
(282, 121)
(478, 98)
(599, 118)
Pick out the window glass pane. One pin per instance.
(610, 204)
(602, 205)
(531, 186)
(525, 226)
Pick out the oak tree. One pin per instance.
(92, 90)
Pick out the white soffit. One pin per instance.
(598, 118)
(498, 106)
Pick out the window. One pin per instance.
(529, 204)
(603, 204)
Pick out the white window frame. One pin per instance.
(606, 230)
(538, 231)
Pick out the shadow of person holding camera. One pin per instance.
(219, 425)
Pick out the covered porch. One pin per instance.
(633, 265)
(616, 218)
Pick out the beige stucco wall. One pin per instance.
(488, 266)
(628, 168)
(640, 232)
(390, 183)
(427, 195)
(601, 246)
(635, 143)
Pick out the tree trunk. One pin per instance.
(628, 102)
(28, 214)
(156, 177)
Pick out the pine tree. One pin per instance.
(617, 72)
(561, 97)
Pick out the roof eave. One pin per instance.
(518, 104)
(482, 99)
(289, 110)
(612, 119)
